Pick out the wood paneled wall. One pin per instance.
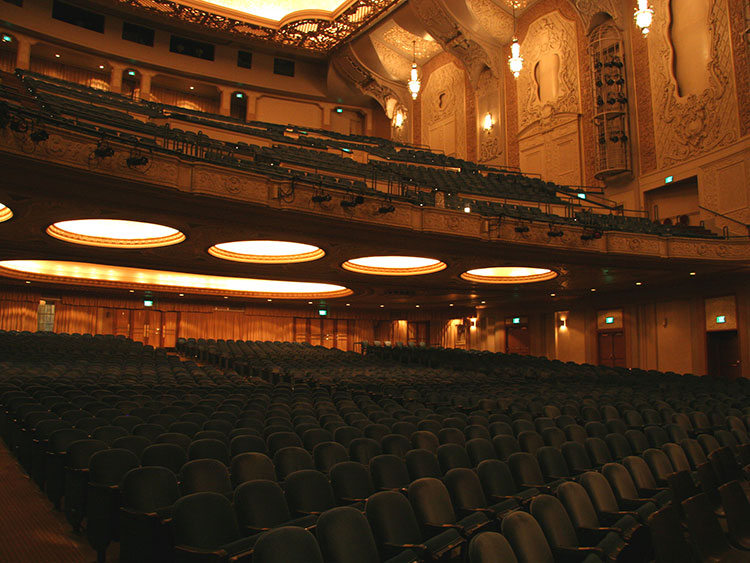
(76, 313)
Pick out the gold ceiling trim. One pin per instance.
(316, 33)
(265, 258)
(107, 242)
(544, 275)
(5, 213)
(121, 277)
(437, 266)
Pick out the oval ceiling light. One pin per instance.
(394, 265)
(115, 233)
(5, 213)
(101, 275)
(266, 251)
(509, 274)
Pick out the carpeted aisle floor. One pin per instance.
(31, 531)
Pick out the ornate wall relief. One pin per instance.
(551, 148)
(443, 111)
(550, 51)
(692, 125)
(491, 141)
(494, 20)
(589, 8)
(725, 188)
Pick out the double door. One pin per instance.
(150, 326)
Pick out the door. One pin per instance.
(612, 348)
(518, 340)
(122, 322)
(146, 327)
(723, 354)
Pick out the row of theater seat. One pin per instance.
(487, 433)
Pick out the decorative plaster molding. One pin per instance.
(550, 34)
(688, 126)
(589, 8)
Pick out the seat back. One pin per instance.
(525, 469)
(389, 472)
(554, 521)
(526, 538)
(308, 491)
(465, 489)
(600, 492)
(578, 505)
(204, 475)
(620, 480)
(260, 504)
(251, 465)
(672, 546)
(344, 536)
(491, 547)
(171, 456)
(350, 481)
(204, 520)
(392, 520)
(146, 489)
(496, 478)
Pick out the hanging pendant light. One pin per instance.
(414, 83)
(643, 16)
(515, 61)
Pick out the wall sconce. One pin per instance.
(473, 322)
(488, 122)
(563, 324)
(398, 119)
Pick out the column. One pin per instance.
(225, 103)
(23, 54)
(252, 102)
(145, 88)
(115, 78)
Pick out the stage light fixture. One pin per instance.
(354, 202)
(522, 229)
(386, 209)
(320, 198)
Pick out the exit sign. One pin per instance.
(668, 179)
(516, 320)
(721, 319)
(609, 320)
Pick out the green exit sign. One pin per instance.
(609, 320)
(516, 320)
(668, 179)
(721, 319)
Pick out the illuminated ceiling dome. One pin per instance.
(115, 233)
(275, 11)
(509, 274)
(5, 213)
(266, 251)
(100, 275)
(394, 265)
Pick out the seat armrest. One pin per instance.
(588, 536)
(635, 503)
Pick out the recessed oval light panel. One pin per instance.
(115, 233)
(5, 213)
(266, 251)
(394, 265)
(509, 274)
(100, 275)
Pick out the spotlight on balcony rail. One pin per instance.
(554, 232)
(39, 135)
(103, 150)
(354, 202)
(320, 198)
(386, 209)
(522, 229)
(137, 161)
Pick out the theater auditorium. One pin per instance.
(364, 281)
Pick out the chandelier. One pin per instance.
(643, 16)
(515, 61)
(414, 83)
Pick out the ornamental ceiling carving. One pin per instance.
(309, 29)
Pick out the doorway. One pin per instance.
(723, 351)
(518, 340)
(612, 348)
